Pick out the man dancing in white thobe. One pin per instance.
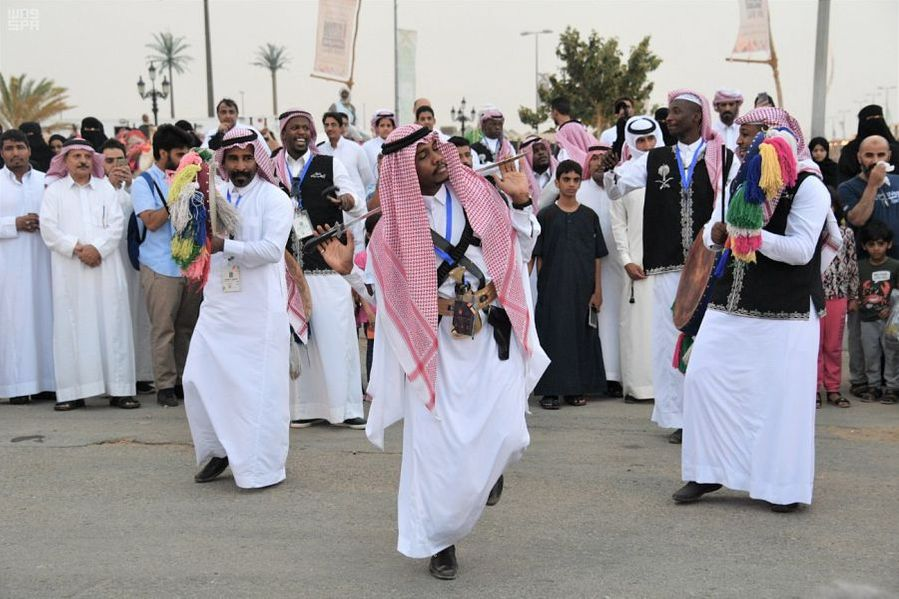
(236, 376)
(82, 224)
(749, 418)
(458, 376)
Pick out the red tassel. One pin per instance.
(677, 349)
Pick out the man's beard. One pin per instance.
(241, 178)
(170, 165)
(727, 118)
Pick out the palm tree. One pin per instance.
(170, 54)
(274, 58)
(24, 100)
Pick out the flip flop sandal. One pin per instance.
(838, 400)
(576, 401)
(548, 402)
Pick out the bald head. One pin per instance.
(872, 150)
(419, 103)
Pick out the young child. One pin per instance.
(877, 275)
(567, 255)
(840, 288)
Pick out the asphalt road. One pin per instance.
(101, 502)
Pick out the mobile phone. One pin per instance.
(121, 162)
(593, 318)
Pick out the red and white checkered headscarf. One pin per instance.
(402, 256)
(527, 148)
(505, 148)
(574, 138)
(264, 168)
(280, 159)
(597, 150)
(58, 168)
(728, 95)
(770, 116)
(714, 159)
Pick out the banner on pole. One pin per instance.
(753, 37)
(405, 73)
(335, 39)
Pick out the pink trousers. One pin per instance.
(830, 351)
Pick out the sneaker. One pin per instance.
(307, 422)
(353, 423)
(890, 396)
(869, 395)
(166, 398)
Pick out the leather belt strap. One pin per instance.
(482, 299)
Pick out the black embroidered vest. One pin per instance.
(319, 177)
(768, 288)
(671, 215)
(482, 151)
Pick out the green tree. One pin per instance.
(24, 100)
(170, 55)
(274, 58)
(595, 71)
(532, 117)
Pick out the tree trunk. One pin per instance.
(274, 92)
(171, 94)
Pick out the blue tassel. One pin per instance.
(754, 194)
(721, 264)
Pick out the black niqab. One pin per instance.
(40, 151)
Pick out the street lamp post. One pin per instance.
(536, 35)
(460, 116)
(154, 93)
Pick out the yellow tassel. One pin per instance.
(771, 180)
(181, 178)
(181, 248)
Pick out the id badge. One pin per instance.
(302, 225)
(231, 278)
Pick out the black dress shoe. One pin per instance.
(179, 391)
(21, 400)
(692, 491)
(145, 387)
(51, 395)
(443, 565)
(677, 437)
(496, 492)
(65, 406)
(614, 389)
(211, 470)
(126, 403)
(631, 399)
(167, 398)
(784, 508)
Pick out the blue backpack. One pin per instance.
(137, 232)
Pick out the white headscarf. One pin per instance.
(635, 128)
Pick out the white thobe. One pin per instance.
(93, 348)
(372, 149)
(140, 318)
(237, 370)
(636, 298)
(728, 134)
(594, 197)
(330, 383)
(609, 136)
(749, 418)
(668, 382)
(354, 159)
(26, 303)
(453, 456)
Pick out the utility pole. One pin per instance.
(210, 101)
(396, 64)
(819, 87)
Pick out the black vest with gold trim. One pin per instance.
(769, 288)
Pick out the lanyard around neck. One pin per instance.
(686, 178)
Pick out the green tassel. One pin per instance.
(744, 215)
